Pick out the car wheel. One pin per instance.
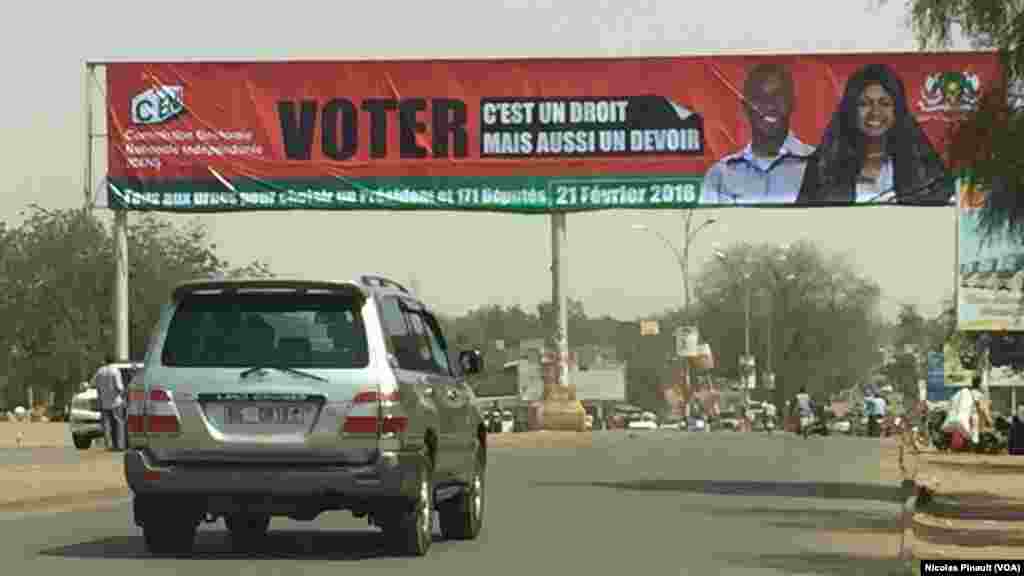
(247, 530)
(169, 536)
(81, 442)
(463, 516)
(412, 532)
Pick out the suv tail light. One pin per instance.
(373, 412)
(152, 412)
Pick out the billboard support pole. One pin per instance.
(87, 174)
(956, 254)
(120, 310)
(561, 409)
(559, 282)
(121, 350)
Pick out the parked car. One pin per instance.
(673, 424)
(697, 424)
(643, 421)
(841, 426)
(84, 418)
(508, 421)
(278, 397)
(492, 420)
(728, 420)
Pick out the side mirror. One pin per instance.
(471, 362)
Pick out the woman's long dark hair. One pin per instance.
(840, 156)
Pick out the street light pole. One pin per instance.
(683, 256)
(746, 319)
(747, 295)
(688, 237)
(683, 260)
(686, 264)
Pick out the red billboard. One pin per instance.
(539, 135)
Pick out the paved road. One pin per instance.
(21, 456)
(671, 503)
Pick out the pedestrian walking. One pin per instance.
(804, 408)
(110, 390)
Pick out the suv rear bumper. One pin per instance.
(391, 475)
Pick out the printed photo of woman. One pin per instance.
(874, 151)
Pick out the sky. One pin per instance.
(461, 261)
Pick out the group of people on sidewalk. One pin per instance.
(805, 412)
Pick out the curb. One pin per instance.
(1009, 511)
(918, 494)
(924, 497)
(977, 536)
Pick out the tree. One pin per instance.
(57, 270)
(904, 373)
(53, 303)
(481, 327)
(813, 320)
(986, 141)
(911, 328)
(579, 333)
(940, 328)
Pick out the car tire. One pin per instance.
(411, 533)
(169, 537)
(247, 530)
(81, 442)
(463, 516)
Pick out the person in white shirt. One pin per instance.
(110, 390)
(805, 409)
(770, 168)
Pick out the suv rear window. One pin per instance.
(245, 330)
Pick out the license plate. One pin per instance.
(265, 414)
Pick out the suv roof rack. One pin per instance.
(381, 282)
(197, 286)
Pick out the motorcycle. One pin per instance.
(996, 440)
(494, 422)
(992, 441)
(769, 424)
(874, 428)
(817, 427)
(894, 426)
(939, 438)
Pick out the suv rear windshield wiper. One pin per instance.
(287, 369)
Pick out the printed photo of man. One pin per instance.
(770, 168)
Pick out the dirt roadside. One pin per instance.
(541, 439)
(95, 474)
(35, 435)
(56, 435)
(82, 477)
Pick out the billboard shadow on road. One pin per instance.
(829, 490)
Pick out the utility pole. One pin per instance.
(746, 320)
(683, 260)
(746, 335)
(746, 370)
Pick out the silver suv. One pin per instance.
(266, 398)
